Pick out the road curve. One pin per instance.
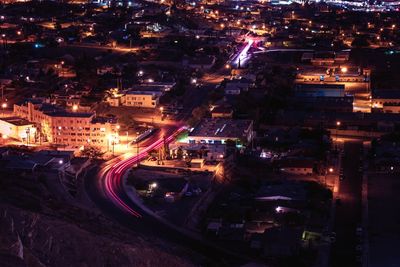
(107, 191)
(112, 173)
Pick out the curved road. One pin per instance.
(106, 188)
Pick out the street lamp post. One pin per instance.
(330, 170)
(113, 145)
(3, 107)
(27, 131)
(127, 139)
(161, 112)
(338, 123)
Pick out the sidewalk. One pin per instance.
(365, 213)
(325, 249)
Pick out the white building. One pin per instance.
(17, 128)
(141, 99)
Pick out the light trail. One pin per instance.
(114, 174)
(241, 55)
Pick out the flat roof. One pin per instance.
(70, 114)
(221, 127)
(386, 94)
(325, 86)
(141, 93)
(17, 121)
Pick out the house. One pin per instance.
(17, 128)
(299, 166)
(283, 192)
(222, 112)
(236, 86)
(386, 101)
(200, 63)
(142, 99)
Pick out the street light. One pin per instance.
(338, 123)
(75, 107)
(330, 170)
(4, 106)
(27, 131)
(344, 69)
(153, 185)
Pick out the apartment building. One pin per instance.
(74, 129)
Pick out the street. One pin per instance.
(108, 192)
(348, 208)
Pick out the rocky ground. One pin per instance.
(37, 229)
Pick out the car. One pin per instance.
(152, 159)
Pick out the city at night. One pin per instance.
(200, 133)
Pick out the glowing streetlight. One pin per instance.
(330, 170)
(338, 123)
(227, 66)
(4, 105)
(75, 107)
(153, 186)
(344, 69)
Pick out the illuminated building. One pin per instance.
(17, 128)
(74, 129)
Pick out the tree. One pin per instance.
(199, 112)
(126, 120)
(179, 153)
(92, 152)
(360, 41)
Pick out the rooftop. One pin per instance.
(222, 127)
(17, 121)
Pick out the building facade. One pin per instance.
(62, 128)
